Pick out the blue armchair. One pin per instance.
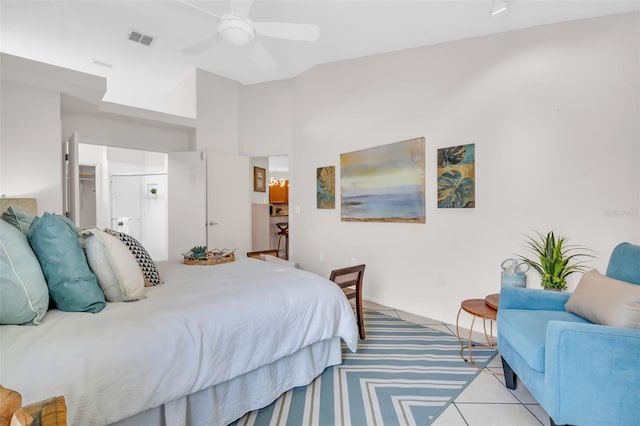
(581, 373)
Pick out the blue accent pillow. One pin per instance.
(72, 285)
(24, 296)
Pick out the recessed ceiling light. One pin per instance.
(498, 6)
(101, 63)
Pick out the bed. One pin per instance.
(204, 348)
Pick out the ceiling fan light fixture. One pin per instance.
(236, 31)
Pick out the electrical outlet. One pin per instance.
(353, 261)
(321, 257)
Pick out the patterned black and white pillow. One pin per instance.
(147, 265)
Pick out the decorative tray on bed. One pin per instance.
(200, 256)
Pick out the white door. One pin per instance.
(187, 202)
(229, 181)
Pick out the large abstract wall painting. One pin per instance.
(457, 176)
(326, 187)
(384, 184)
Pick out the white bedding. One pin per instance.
(204, 326)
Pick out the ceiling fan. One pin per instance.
(237, 29)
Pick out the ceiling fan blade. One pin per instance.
(200, 46)
(198, 8)
(260, 56)
(288, 30)
(240, 8)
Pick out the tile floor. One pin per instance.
(486, 401)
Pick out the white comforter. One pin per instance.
(205, 325)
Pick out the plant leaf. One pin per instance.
(451, 156)
(556, 259)
(453, 190)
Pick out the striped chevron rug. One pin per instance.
(402, 374)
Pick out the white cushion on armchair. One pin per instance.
(606, 301)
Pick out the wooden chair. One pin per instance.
(350, 281)
(283, 231)
(256, 254)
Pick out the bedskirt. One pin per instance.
(228, 401)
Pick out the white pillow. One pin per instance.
(277, 260)
(606, 301)
(118, 272)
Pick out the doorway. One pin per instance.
(125, 190)
(271, 208)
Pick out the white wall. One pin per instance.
(553, 112)
(181, 100)
(31, 145)
(155, 217)
(266, 112)
(82, 86)
(217, 113)
(121, 133)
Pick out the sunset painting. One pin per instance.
(384, 183)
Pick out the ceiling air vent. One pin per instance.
(146, 40)
(140, 38)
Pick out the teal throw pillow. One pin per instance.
(72, 285)
(72, 226)
(18, 218)
(24, 296)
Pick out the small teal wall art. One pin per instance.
(326, 187)
(384, 183)
(457, 177)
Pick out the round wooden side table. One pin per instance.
(492, 300)
(486, 309)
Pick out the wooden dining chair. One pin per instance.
(350, 281)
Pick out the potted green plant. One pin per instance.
(554, 259)
(199, 252)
